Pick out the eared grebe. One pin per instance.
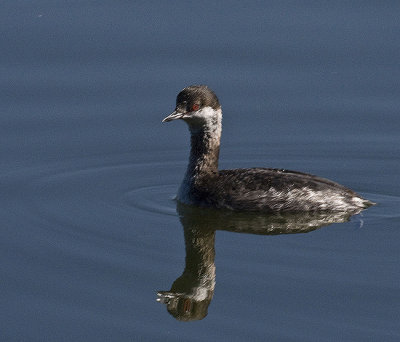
(253, 189)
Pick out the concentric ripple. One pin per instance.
(112, 185)
(154, 199)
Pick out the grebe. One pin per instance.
(254, 189)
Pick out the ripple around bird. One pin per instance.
(111, 182)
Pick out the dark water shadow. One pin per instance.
(192, 292)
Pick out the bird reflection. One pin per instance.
(191, 293)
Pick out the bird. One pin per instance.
(246, 189)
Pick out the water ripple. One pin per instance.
(113, 182)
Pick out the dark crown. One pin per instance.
(197, 94)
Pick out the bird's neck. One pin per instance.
(205, 143)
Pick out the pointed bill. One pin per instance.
(173, 116)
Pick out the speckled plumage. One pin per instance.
(254, 189)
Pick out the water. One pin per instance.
(89, 228)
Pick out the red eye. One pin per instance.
(195, 106)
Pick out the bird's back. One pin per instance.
(274, 190)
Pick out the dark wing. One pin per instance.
(272, 189)
(279, 179)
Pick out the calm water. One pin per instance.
(89, 229)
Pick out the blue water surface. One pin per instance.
(89, 230)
